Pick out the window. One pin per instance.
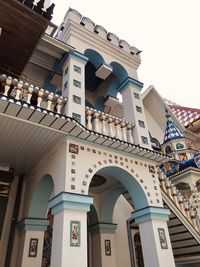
(76, 116)
(139, 109)
(76, 99)
(77, 83)
(168, 150)
(65, 86)
(136, 95)
(77, 69)
(141, 123)
(144, 140)
(179, 146)
(66, 71)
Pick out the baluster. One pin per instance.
(193, 217)
(96, 122)
(7, 85)
(123, 129)
(40, 96)
(118, 129)
(50, 99)
(162, 181)
(104, 128)
(30, 93)
(186, 208)
(18, 90)
(129, 133)
(180, 201)
(168, 187)
(59, 104)
(110, 127)
(89, 113)
(174, 194)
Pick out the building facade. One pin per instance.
(94, 171)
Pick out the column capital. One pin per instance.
(151, 213)
(33, 224)
(70, 201)
(101, 227)
(78, 56)
(128, 81)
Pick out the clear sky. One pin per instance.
(168, 33)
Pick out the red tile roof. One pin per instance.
(185, 115)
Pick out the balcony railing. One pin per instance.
(109, 125)
(30, 94)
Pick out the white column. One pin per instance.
(74, 86)
(130, 90)
(103, 244)
(32, 234)
(69, 244)
(156, 245)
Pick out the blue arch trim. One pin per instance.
(94, 57)
(130, 184)
(100, 103)
(108, 205)
(40, 198)
(119, 74)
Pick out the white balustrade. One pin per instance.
(179, 201)
(109, 125)
(23, 91)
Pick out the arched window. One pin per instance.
(168, 150)
(179, 146)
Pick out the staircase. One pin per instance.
(183, 224)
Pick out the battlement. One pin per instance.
(88, 24)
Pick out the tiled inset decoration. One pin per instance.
(77, 83)
(157, 200)
(73, 179)
(76, 99)
(94, 151)
(145, 187)
(77, 69)
(151, 201)
(73, 148)
(141, 164)
(152, 169)
(90, 170)
(110, 161)
(73, 171)
(83, 191)
(84, 183)
(141, 181)
(86, 176)
(75, 233)
(144, 140)
(99, 162)
(155, 187)
(145, 165)
(148, 194)
(66, 71)
(73, 187)
(82, 148)
(65, 85)
(99, 152)
(73, 156)
(132, 170)
(76, 116)
(153, 175)
(136, 162)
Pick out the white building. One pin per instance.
(88, 179)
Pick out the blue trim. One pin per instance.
(79, 56)
(33, 224)
(108, 228)
(127, 81)
(151, 213)
(70, 201)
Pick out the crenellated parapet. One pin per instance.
(88, 24)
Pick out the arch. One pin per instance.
(94, 57)
(128, 181)
(107, 207)
(119, 75)
(40, 198)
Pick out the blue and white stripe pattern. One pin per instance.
(172, 132)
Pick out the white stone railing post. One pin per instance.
(89, 119)
(104, 124)
(123, 128)
(18, 90)
(30, 93)
(96, 124)
(7, 85)
(129, 133)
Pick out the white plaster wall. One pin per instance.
(153, 126)
(8, 221)
(122, 212)
(33, 261)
